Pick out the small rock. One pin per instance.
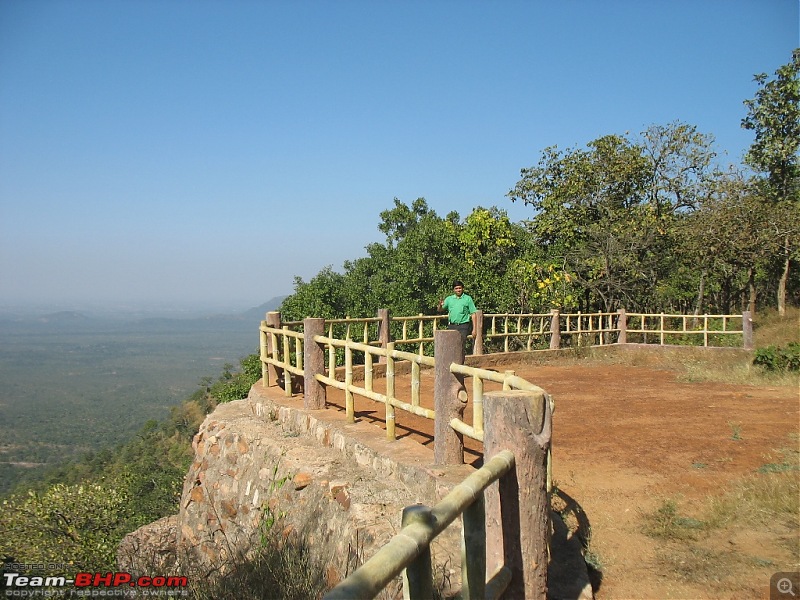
(335, 487)
(302, 480)
(343, 498)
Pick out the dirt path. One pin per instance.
(625, 440)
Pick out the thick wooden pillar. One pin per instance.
(517, 506)
(449, 397)
(313, 364)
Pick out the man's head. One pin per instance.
(458, 288)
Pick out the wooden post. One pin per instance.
(263, 341)
(622, 325)
(477, 342)
(418, 576)
(314, 361)
(473, 551)
(747, 330)
(383, 330)
(449, 397)
(274, 321)
(517, 506)
(555, 329)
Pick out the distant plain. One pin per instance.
(72, 384)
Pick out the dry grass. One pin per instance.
(748, 531)
(770, 329)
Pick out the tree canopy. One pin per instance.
(649, 222)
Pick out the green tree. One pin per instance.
(591, 215)
(608, 213)
(79, 525)
(774, 116)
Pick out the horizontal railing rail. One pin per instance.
(479, 376)
(507, 332)
(388, 398)
(664, 328)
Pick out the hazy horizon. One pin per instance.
(151, 308)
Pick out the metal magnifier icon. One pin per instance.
(785, 586)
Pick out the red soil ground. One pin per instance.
(628, 438)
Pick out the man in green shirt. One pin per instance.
(460, 311)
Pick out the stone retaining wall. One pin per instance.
(263, 463)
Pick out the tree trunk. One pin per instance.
(784, 278)
(751, 286)
(700, 295)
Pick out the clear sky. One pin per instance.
(206, 152)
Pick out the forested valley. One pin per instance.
(650, 222)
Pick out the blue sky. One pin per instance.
(203, 153)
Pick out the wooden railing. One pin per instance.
(554, 330)
(294, 355)
(665, 329)
(410, 548)
(504, 508)
(367, 391)
(304, 354)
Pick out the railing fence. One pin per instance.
(519, 473)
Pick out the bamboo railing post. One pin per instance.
(287, 358)
(418, 576)
(747, 330)
(390, 383)
(622, 325)
(473, 551)
(384, 334)
(274, 321)
(263, 351)
(449, 397)
(314, 361)
(555, 329)
(517, 506)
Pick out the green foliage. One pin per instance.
(774, 116)
(648, 223)
(543, 287)
(416, 265)
(607, 213)
(77, 524)
(235, 386)
(79, 512)
(777, 358)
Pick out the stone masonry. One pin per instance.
(264, 462)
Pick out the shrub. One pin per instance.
(235, 386)
(777, 358)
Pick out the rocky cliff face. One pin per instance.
(264, 465)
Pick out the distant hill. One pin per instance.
(259, 312)
(70, 320)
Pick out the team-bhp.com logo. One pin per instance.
(93, 585)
